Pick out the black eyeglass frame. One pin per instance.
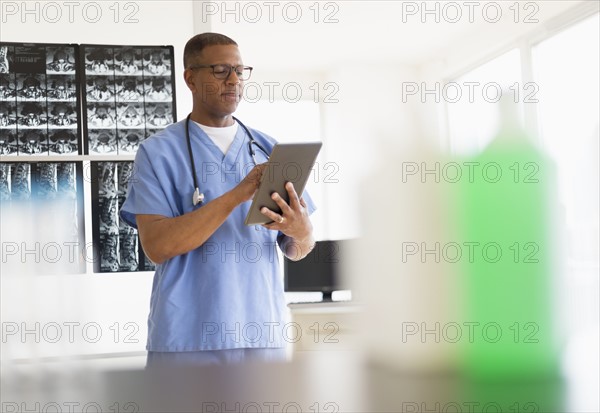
(231, 69)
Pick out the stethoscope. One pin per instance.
(198, 197)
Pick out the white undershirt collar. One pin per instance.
(222, 137)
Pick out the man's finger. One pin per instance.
(271, 215)
(294, 201)
(285, 208)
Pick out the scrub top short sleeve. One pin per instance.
(145, 194)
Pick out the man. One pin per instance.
(217, 294)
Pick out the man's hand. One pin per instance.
(246, 189)
(293, 221)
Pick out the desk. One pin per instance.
(314, 382)
(325, 326)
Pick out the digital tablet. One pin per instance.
(289, 162)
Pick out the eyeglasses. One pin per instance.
(223, 71)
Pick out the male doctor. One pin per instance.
(217, 294)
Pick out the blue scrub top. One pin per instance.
(227, 293)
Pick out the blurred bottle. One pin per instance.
(508, 220)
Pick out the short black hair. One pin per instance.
(196, 44)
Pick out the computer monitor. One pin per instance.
(318, 271)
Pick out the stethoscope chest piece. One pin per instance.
(197, 198)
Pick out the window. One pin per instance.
(568, 114)
(565, 67)
(474, 119)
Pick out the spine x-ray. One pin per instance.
(118, 246)
(39, 100)
(128, 96)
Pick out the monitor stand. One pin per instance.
(327, 296)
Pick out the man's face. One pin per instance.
(216, 98)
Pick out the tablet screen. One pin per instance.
(289, 162)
